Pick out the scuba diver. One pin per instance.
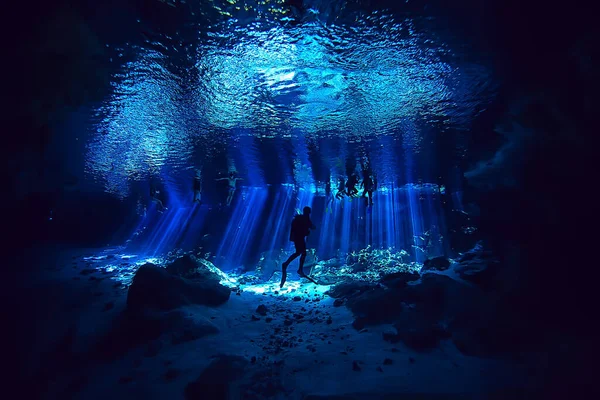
(154, 192)
(369, 184)
(198, 186)
(301, 226)
(232, 179)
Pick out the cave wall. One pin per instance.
(533, 191)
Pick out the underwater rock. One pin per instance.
(154, 288)
(437, 263)
(192, 329)
(390, 334)
(130, 330)
(192, 267)
(375, 306)
(261, 310)
(421, 336)
(349, 289)
(479, 267)
(338, 302)
(214, 382)
(399, 279)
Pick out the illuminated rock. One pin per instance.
(155, 288)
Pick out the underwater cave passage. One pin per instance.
(296, 200)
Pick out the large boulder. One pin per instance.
(348, 289)
(131, 330)
(417, 331)
(399, 279)
(375, 306)
(154, 288)
(195, 268)
(437, 263)
(479, 266)
(214, 383)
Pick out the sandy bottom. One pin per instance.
(303, 345)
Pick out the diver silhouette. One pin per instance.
(231, 180)
(328, 195)
(369, 184)
(154, 192)
(198, 186)
(301, 226)
(351, 189)
(341, 192)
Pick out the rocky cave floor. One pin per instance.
(405, 336)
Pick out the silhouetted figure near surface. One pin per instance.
(231, 180)
(341, 191)
(154, 192)
(301, 226)
(351, 189)
(328, 196)
(370, 185)
(198, 187)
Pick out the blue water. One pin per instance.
(290, 99)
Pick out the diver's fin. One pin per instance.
(310, 279)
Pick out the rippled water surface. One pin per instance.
(331, 81)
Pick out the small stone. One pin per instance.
(255, 318)
(268, 319)
(388, 361)
(287, 322)
(338, 302)
(253, 359)
(297, 298)
(329, 320)
(355, 366)
(411, 360)
(108, 306)
(261, 310)
(379, 369)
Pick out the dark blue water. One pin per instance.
(294, 98)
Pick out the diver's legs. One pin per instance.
(301, 267)
(283, 275)
(290, 259)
